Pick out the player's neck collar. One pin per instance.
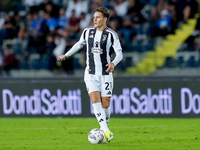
(103, 29)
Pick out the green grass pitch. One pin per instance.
(71, 134)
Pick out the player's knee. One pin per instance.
(105, 104)
(105, 101)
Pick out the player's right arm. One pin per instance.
(76, 47)
(62, 57)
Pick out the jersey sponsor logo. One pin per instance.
(104, 37)
(96, 44)
(91, 36)
(96, 48)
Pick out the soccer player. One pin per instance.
(100, 42)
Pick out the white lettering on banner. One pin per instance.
(189, 102)
(42, 102)
(132, 101)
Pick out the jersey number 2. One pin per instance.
(107, 85)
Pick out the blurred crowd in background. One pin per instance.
(34, 32)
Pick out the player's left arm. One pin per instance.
(118, 52)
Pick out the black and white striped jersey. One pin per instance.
(99, 45)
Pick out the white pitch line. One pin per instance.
(27, 129)
(75, 128)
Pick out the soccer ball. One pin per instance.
(96, 136)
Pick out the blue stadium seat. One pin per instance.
(44, 64)
(191, 62)
(181, 62)
(129, 62)
(17, 48)
(137, 46)
(24, 64)
(170, 62)
(76, 63)
(147, 45)
(35, 64)
(198, 62)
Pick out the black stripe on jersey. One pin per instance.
(104, 38)
(112, 31)
(91, 56)
(111, 48)
(112, 39)
(84, 34)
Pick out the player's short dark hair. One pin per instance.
(104, 11)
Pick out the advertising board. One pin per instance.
(132, 97)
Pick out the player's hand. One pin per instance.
(62, 57)
(110, 66)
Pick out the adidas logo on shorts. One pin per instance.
(109, 93)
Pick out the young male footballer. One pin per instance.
(100, 42)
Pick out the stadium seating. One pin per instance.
(167, 50)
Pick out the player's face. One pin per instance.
(99, 20)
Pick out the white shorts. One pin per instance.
(101, 83)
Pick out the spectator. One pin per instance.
(100, 2)
(84, 21)
(60, 48)
(185, 9)
(62, 19)
(50, 46)
(163, 25)
(37, 29)
(7, 30)
(28, 23)
(51, 9)
(68, 40)
(154, 12)
(18, 22)
(190, 41)
(60, 45)
(26, 28)
(49, 21)
(134, 6)
(171, 5)
(36, 23)
(139, 23)
(127, 31)
(24, 33)
(33, 5)
(115, 17)
(121, 8)
(73, 25)
(78, 6)
(113, 25)
(9, 59)
(93, 6)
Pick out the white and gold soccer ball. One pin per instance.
(96, 136)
